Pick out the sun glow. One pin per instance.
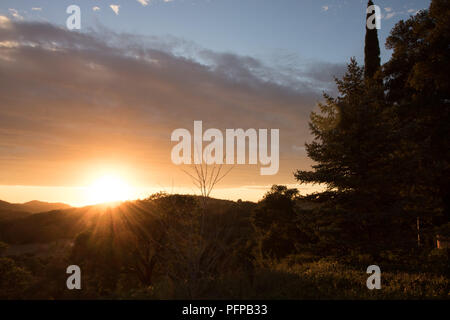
(109, 188)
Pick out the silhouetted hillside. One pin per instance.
(32, 206)
(9, 211)
(181, 246)
(11, 215)
(39, 206)
(21, 227)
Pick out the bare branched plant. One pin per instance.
(205, 177)
(205, 252)
(190, 246)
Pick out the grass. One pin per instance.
(322, 279)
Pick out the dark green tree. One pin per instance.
(349, 132)
(349, 141)
(274, 220)
(390, 155)
(418, 90)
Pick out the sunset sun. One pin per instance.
(109, 188)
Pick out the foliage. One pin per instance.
(378, 146)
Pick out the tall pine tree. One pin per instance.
(349, 134)
(351, 150)
(389, 156)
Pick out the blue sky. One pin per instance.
(272, 30)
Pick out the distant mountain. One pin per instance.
(32, 206)
(10, 211)
(56, 225)
(39, 206)
(7, 206)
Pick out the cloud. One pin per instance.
(390, 15)
(388, 9)
(115, 8)
(143, 2)
(411, 10)
(325, 8)
(71, 99)
(4, 21)
(9, 44)
(95, 8)
(36, 9)
(15, 14)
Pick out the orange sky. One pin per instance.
(77, 106)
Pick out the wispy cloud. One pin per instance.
(115, 8)
(390, 15)
(4, 21)
(325, 8)
(15, 14)
(95, 8)
(143, 2)
(36, 9)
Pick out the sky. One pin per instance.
(78, 105)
